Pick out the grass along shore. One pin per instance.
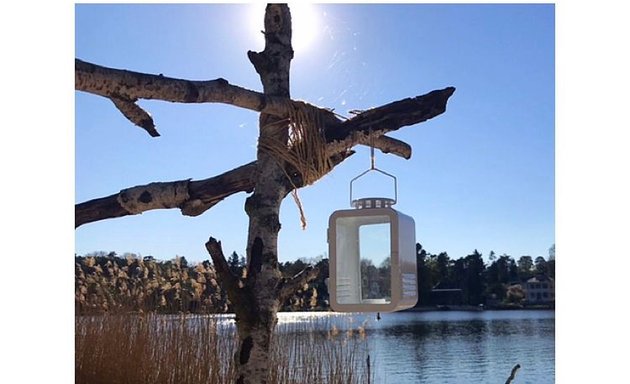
(152, 348)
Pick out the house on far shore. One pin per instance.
(540, 290)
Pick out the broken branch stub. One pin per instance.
(135, 114)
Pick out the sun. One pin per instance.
(305, 21)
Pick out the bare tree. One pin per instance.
(298, 143)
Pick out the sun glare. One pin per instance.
(304, 19)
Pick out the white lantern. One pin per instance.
(372, 251)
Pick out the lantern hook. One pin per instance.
(357, 203)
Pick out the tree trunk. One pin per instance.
(256, 327)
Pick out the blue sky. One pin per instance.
(481, 175)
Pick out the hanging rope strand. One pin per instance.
(372, 161)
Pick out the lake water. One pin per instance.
(450, 346)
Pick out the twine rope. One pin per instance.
(305, 150)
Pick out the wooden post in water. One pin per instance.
(513, 374)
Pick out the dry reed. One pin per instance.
(150, 348)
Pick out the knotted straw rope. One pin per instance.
(305, 150)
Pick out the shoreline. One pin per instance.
(472, 308)
(432, 308)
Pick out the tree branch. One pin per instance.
(230, 282)
(394, 146)
(117, 84)
(390, 117)
(125, 87)
(135, 114)
(192, 197)
(195, 197)
(378, 121)
(239, 294)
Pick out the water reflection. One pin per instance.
(459, 347)
(444, 347)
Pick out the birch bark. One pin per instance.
(263, 207)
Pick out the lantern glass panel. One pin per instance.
(363, 268)
(375, 260)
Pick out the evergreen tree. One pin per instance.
(442, 267)
(541, 266)
(499, 275)
(474, 284)
(425, 281)
(234, 263)
(513, 269)
(525, 267)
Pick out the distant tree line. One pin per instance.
(109, 282)
(499, 281)
(106, 282)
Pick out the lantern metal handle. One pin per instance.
(373, 168)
